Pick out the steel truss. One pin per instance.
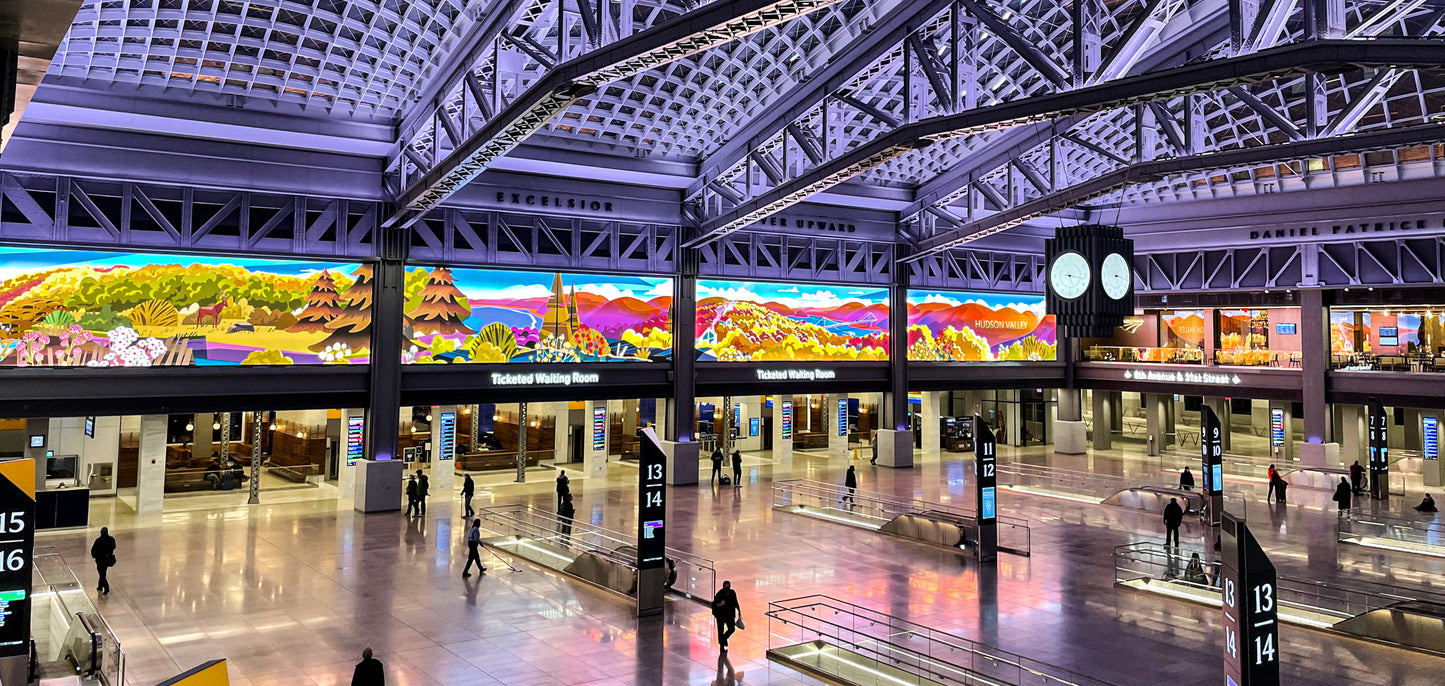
(457, 236)
(67, 210)
(980, 270)
(546, 57)
(1381, 262)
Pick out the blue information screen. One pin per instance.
(753, 426)
(1276, 427)
(355, 433)
(787, 420)
(448, 448)
(843, 417)
(988, 507)
(1432, 438)
(1217, 483)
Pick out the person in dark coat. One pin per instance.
(726, 611)
(103, 552)
(469, 489)
(369, 671)
(1186, 480)
(737, 469)
(850, 481)
(564, 486)
(566, 511)
(411, 505)
(1426, 505)
(423, 486)
(1357, 478)
(717, 460)
(1342, 494)
(1173, 517)
(1273, 479)
(1279, 487)
(474, 549)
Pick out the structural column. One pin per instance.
(1070, 437)
(383, 410)
(151, 468)
(346, 476)
(1103, 420)
(680, 418)
(837, 431)
(443, 465)
(1155, 421)
(561, 432)
(930, 419)
(782, 442)
(1221, 410)
(1285, 451)
(1352, 434)
(595, 439)
(895, 434)
(1318, 448)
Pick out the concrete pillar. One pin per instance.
(1285, 452)
(595, 429)
(443, 467)
(1103, 420)
(1154, 421)
(1431, 468)
(630, 410)
(1352, 434)
(1221, 410)
(151, 469)
(202, 436)
(346, 476)
(1411, 430)
(783, 443)
(561, 418)
(833, 406)
(930, 421)
(616, 408)
(1070, 435)
(660, 419)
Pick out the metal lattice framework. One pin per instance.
(800, 258)
(498, 238)
(337, 56)
(1384, 262)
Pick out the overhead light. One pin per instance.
(190, 426)
(273, 426)
(216, 426)
(428, 418)
(301, 434)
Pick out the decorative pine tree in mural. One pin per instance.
(352, 328)
(323, 304)
(442, 309)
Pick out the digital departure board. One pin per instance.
(843, 417)
(753, 425)
(599, 428)
(355, 439)
(787, 420)
(1379, 449)
(1430, 427)
(448, 445)
(17, 548)
(1249, 590)
(1276, 427)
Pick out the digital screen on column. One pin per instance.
(988, 504)
(1216, 471)
(448, 444)
(355, 435)
(843, 417)
(17, 547)
(1431, 428)
(599, 428)
(1379, 438)
(787, 420)
(1276, 427)
(753, 426)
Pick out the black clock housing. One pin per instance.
(1093, 314)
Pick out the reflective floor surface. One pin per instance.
(290, 593)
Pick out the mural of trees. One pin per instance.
(323, 304)
(443, 308)
(352, 328)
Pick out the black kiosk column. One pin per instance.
(985, 469)
(1249, 591)
(1379, 451)
(1211, 448)
(651, 525)
(17, 550)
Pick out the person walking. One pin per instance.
(1186, 480)
(411, 486)
(1173, 517)
(474, 549)
(103, 552)
(737, 469)
(1279, 486)
(717, 460)
(564, 486)
(1342, 495)
(369, 671)
(423, 486)
(469, 488)
(850, 481)
(728, 614)
(1273, 476)
(1357, 478)
(566, 511)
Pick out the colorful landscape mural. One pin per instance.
(72, 308)
(755, 321)
(474, 315)
(955, 326)
(1183, 329)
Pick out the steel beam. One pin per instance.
(710, 26)
(1307, 57)
(1157, 169)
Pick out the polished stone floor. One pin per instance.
(291, 592)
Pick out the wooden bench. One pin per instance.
(293, 473)
(496, 459)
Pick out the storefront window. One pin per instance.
(1410, 339)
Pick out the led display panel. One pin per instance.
(755, 322)
(87, 308)
(961, 326)
(491, 316)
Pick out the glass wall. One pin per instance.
(1410, 339)
(1267, 337)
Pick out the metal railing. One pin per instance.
(1423, 533)
(1302, 601)
(689, 575)
(86, 637)
(873, 510)
(925, 654)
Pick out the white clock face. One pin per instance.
(1070, 275)
(1114, 276)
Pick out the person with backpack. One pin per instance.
(474, 549)
(103, 552)
(717, 460)
(566, 511)
(728, 614)
(1173, 517)
(411, 504)
(737, 469)
(850, 482)
(423, 486)
(564, 486)
(469, 488)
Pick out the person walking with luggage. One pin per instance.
(369, 671)
(564, 486)
(103, 552)
(850, 481)
(474, 549)
(1342, 495)
(737, 469)
(728, 614)
(1357, 478)
(1273, 476)
(469, 488)
(411, 504)
(423, 486)
(1173, 517)
(566, 511)
(717, 460)
(1279, 486)
(1186, 480)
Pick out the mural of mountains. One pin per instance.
(612, 317)
(995, 326)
